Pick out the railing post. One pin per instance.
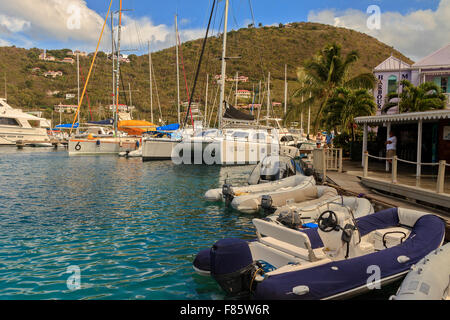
(366, 165)
(340, 160)
(394, 169)
(324, 165)
(441, 177)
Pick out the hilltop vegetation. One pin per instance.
(261, 50)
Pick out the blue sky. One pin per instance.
(43, 23)
(266, 11)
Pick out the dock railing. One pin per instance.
(327, 159)
(440, 183)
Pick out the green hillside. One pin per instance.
(261, 50)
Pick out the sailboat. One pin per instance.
(160, 144)
(89, 143)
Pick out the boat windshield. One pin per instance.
(208, 133)
(240, 134)
(8, 122)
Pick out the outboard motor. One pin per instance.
(290, 219)
(227, 193)
(267, 204)
(232, 266)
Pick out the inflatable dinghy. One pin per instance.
(132, 154)
(336, 260)
(290, 190)
(296, 215)
(228, 192)
(267, 173)
(429, 279)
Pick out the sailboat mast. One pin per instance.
(224, 66)
(113, 66)
(78, 84)
(206, 99)
(285, 89)
(237, 89)
(119, 32)
(178, 69)
(309, 115)
(151, 80)
(268, 99)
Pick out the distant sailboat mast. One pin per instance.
(285, 90)
(151, 81)
(178, 69)
(78, 84)
(119, 31)
(224, 66)
(113, 66)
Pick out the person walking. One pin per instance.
(391, 146)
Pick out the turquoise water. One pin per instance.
(132, 228)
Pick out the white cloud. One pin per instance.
(415, 34)
(4, 43)
(71, 23)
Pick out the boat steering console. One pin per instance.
(329, 223)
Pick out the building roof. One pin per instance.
(405, 117)
(438, 58)
(392, 63)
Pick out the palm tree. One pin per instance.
(320, 77)
(347, 104)
(427, 96)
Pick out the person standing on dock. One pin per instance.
(391, 146)
(330, 138)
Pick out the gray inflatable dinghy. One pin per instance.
(429, 279)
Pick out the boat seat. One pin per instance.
(287, 240)
(286, 247)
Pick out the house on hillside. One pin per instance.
(276, 104)
(53, 74)
(61, 108)
(52, 93)
(122, 108)
(433, 68)
(45, 57)
(80, 53)
(68, 60)
(35, 70)
(70, 96)
(244, 94)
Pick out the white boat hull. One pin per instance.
(10, 135)
(158, 149)
(101, 146)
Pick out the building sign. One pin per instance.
(447, 133)
(380, 93)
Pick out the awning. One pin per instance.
(405, 117)
(67, 126)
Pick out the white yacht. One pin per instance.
(16, 125)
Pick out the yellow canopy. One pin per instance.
(136, 127)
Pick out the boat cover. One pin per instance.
(67, 126)
(107, 122)
(235, 114)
